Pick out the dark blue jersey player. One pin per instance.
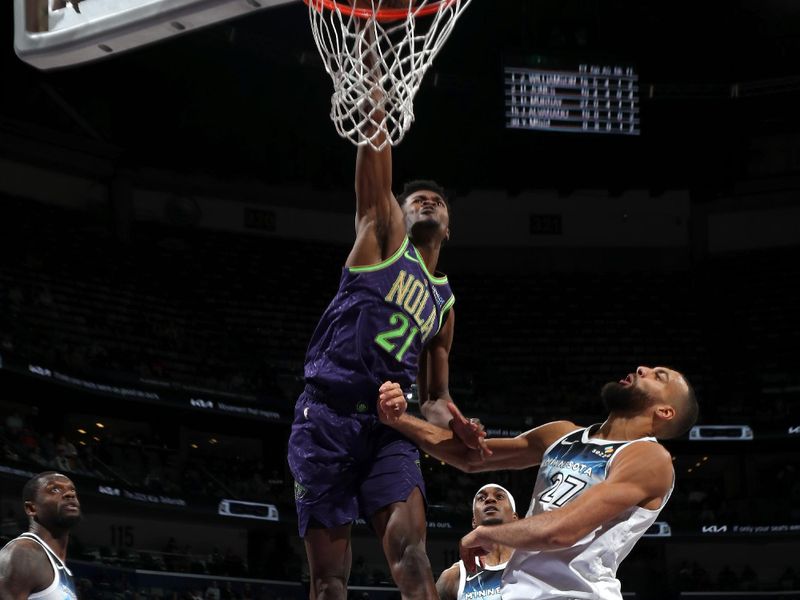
(492, 505)
(392, 318)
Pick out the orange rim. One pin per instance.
(384, 14)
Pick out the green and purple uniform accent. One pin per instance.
(345, 462)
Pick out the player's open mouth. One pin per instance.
(628, 380)
(72, 506)
(490, 510)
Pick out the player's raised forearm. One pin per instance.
(373, 177)
(436, 441)
(373, 167)
(545, 531)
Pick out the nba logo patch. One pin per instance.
(299, 490)
(608, 451)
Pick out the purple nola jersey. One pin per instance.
(375, 328)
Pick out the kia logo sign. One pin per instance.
(200, 403)
(715, 529)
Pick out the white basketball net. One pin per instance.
(377, 67)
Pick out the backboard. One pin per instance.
(51, 34)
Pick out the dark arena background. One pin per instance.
(173, 221)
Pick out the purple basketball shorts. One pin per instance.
(347, 465)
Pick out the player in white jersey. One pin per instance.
(492, 505)
(598, 488)
(32, 565)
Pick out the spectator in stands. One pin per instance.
(358, 573)
(6, 342)
(728, 580)
(16, 299)
(789, 579)
(70, 452)
(227, 592)
(47, 442)
(152, 480)
(216, 562)
(212, 591)
(700, 579)
(85, 589)
(247, 592)
(8, 451)
(27, 441)
(8, 525)
(749, 579)
(234, 564)
(14, 423)
(259, 488)
(170, 550)
(90, 462)
(707, 514)
(61, 462)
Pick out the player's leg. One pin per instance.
(392, 494)
(401, 527)
(320, 459)
(329, 559)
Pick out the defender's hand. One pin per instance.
(392, 403)
(472, 548)
(469, 431)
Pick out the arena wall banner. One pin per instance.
(112, 492)
(727, 529)
(152, 391)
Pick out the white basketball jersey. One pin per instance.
(62, 587)
(588, 569)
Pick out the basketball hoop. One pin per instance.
(376, 56)
(382, 14)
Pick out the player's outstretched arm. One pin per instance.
(641, 475)
(379, 220)
(24, 570)
(525, 450)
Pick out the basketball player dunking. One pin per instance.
(32, 565)
(392, 318)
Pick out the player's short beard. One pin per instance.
(425, 227)
(492, 521)
(61, 521)
(623, 398)
(67, 521)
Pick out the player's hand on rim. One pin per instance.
(392, 403)
(470, 431)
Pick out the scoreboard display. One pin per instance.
(586, 99)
